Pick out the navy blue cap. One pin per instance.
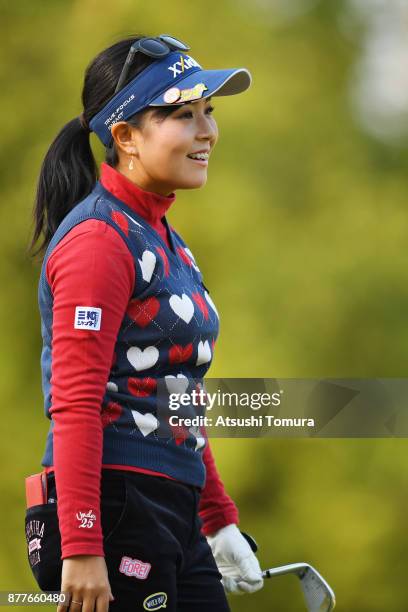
(175, 79)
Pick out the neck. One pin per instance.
(148, 204)
(143, 181)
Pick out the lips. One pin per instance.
(199, 156)
(200, 162)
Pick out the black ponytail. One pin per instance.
(69, 171)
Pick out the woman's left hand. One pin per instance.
(240, 569)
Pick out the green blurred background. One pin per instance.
(318, 289)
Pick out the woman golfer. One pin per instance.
(134, 515)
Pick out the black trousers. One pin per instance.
(154, 550)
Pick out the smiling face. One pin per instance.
(161, 148)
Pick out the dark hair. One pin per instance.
(69, 170)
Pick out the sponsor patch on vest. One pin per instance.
(155, 601)
(88, 317)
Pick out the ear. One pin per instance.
(125, 137)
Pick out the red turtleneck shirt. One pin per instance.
(78, 367)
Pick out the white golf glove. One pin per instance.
(240, 569)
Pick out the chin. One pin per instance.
(195, 183)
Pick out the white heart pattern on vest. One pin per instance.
(142, 360)
(211, 303)
(203, 352)
(176, 384)
(147, 263)
(200, 440)
(111, 386)
(145, 422)
(182, 306)
(191, 256)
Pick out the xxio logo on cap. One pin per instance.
(155, 601)
(184, 63)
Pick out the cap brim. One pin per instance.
(217, 83)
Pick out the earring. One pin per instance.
(131, 163)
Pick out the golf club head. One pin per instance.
(318, 594)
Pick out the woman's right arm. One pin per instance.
(90, 267)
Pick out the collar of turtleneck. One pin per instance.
(151, 206)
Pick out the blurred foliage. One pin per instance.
(301, 233)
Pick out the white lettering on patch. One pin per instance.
(134, 567)
(88, 317)
(86, 519)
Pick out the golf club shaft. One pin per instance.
(279, 571)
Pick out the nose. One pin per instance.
(207, 129)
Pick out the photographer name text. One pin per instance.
(252, 421)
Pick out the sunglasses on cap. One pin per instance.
(156, 47)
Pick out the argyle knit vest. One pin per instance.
(167, 336)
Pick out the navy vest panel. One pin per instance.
(167, 337)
